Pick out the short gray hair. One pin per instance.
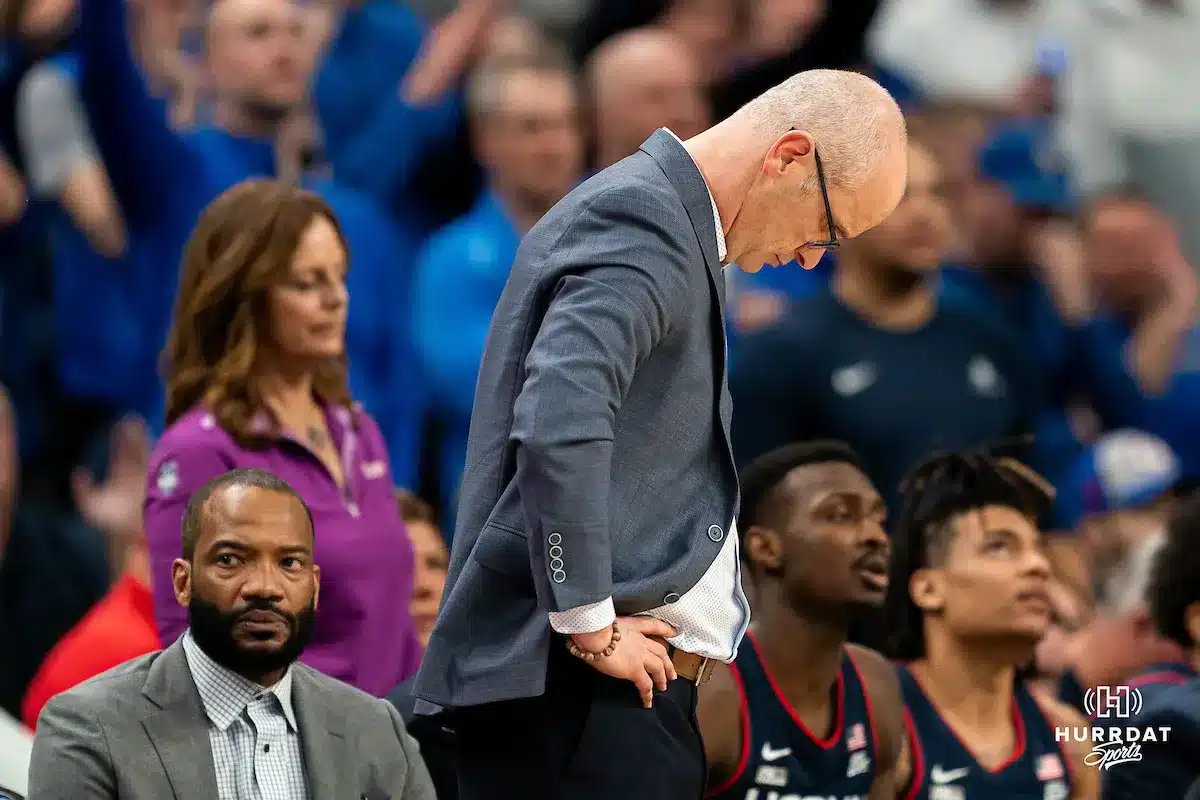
(853, 120)
(485, 87)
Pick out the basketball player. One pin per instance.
(969, 602)
(800, 713)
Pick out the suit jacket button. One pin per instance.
(555, 538)
(672, 597)
(715, 533)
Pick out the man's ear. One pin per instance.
(181, 581)
(764, 548)
(926, 589)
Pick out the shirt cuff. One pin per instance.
(584, 619)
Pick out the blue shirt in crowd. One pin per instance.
(459, 277)
(165, 179)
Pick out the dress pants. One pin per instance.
(588, 737)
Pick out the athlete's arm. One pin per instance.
(720, 713)
(1085, 780)
(887, 712)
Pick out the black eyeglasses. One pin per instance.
(832, 242)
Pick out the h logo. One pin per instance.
(1108, 702)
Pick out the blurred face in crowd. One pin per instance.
(993, 581)
(530, 139)
(308, 307)
(642, 81)
(430, 561)
(913, 238)
(511, 37)
(44, 21)
(707, 27)
(831, 554)
(1122, 239)
(251, 585)
(257, 54)
(784, 213)
(996, 225)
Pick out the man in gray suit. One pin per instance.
(594, 559)
(226, 713)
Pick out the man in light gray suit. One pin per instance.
(226, 712)
(594, 558)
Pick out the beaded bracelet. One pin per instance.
(574, 650)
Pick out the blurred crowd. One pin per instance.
(1036, 288)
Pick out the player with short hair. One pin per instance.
(969, 602)
(801, 713)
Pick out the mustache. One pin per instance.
(267, 606)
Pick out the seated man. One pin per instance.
(225, 712)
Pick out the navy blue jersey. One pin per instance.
(781, 758)
(944, 769)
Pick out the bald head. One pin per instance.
(854, 122)
(640, 81)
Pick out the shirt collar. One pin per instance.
(711, 199)
(225, 694)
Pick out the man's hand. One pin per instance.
(637, 658)
(115, 506)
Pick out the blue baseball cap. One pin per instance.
(1124, 469)
(1021, 157)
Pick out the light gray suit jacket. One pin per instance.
(139, 732)
(600, 426)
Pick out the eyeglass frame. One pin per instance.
(832, 243)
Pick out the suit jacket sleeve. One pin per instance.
(70, 759)
(622, 267)
(417, 784)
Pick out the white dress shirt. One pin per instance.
(711, 618)
(252, 730)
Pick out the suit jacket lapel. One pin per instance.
(178, 727)
(322, 733)
(677, 164)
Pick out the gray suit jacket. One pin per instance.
(139, 732)
(600, 426)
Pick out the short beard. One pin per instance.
(212, 630)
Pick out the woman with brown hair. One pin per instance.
(255, 371)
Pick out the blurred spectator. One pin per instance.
(638, 82)
(431, 559)
(880, 362)
(383, 96)
(256, 52)
(1174, 593)
(60, 156)
(525, 119)
(121, 625)
(256, 377)
(52, 570)
(1120, 645)
(975, 51)
(1126, 61)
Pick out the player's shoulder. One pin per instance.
(1056, 712)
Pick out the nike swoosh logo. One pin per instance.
(939, 775)
(771, 754)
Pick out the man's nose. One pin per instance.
(264, 583)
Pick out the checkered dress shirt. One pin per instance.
(253, 733)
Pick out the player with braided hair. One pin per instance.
(968, 602)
